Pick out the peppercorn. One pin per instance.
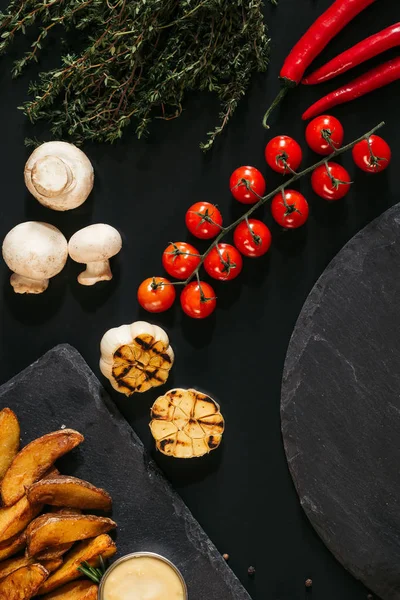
(308, 583)
(225, 556)
(251, 571)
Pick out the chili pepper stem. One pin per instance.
(284, 90)
(263, 199)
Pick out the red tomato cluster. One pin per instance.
(251, 237)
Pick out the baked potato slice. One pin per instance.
(9, 439)
(32, 462)
(12, 546)
(90, 551)
(57, 529)
(13, 519)
(59, 550)
(23, 583)
(69, 491)
(77, 590)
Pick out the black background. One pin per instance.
(242, 494)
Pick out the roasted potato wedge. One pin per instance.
(9, 439)
(53, 553)
(24, 583)
(69, 491)
(52, 564)
(89, 550)
(58, 529)
(12, 546)
(9, 566)
(14, 519)
(32, 462)
(60, 549)
(77, 590)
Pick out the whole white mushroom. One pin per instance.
(36, 252)
(59, 175)
(95, 245)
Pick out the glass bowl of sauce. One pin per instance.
(142, 576)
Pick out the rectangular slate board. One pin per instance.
(60, 390)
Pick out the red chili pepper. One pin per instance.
(323, 30)
(372, 80)
(372, 46)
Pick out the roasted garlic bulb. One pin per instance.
(136, 357)
(186, 424)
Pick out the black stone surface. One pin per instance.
(340, 406)
(60, 390)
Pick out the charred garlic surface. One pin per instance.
(186, 423)
(136, 357)
(36, 252)
(59, 175)
(94, 246)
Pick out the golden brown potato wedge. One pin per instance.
(52, 565)
(77, 590)
(9, 439)
(69, 491)
(14, 519)
(12, 546)
(59, 550)
(9, 566)
(32, 462)
(61, 529)
(24, 583)
(89, 550)
(53, 553)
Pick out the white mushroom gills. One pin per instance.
(59, 175)
(35, 252)
(94, 246)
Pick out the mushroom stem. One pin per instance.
(95, 271)
(27, 285)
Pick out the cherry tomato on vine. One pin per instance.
(330, 182)
(203, 220)
(322, 130)
(180, 259)
(283, 154)
(372, 155)
(243, 177)
(289, 209)
(198, 300)
(223, 262)
(156, 294)
(252, 238)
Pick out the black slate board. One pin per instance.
(340, 406)
(60, 390)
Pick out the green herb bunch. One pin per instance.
(137, 59)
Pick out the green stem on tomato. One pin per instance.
(263, 199)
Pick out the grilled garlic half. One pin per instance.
(136, 357)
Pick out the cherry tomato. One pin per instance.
(252, 238)
(373, 155)
(320, 130)
(283, 154)
(254, 179)
(155, 295)
(180, 259)
(331, 182)
(198, 300)
(223, 262)
(203, 220)
(289, 209)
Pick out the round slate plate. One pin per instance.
(340, 406)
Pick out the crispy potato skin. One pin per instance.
(69, 491)
(23, 583)
(77, 590)
(9, 439)
(55, 529)
(33, 461)
(90, 551)
(14, 519)
(12, 546)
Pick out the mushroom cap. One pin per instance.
(94, 243)
(35, 250)
(59, 175)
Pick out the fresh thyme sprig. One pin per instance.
(138, 61)
(93, 573)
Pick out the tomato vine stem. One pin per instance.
(263, 199)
